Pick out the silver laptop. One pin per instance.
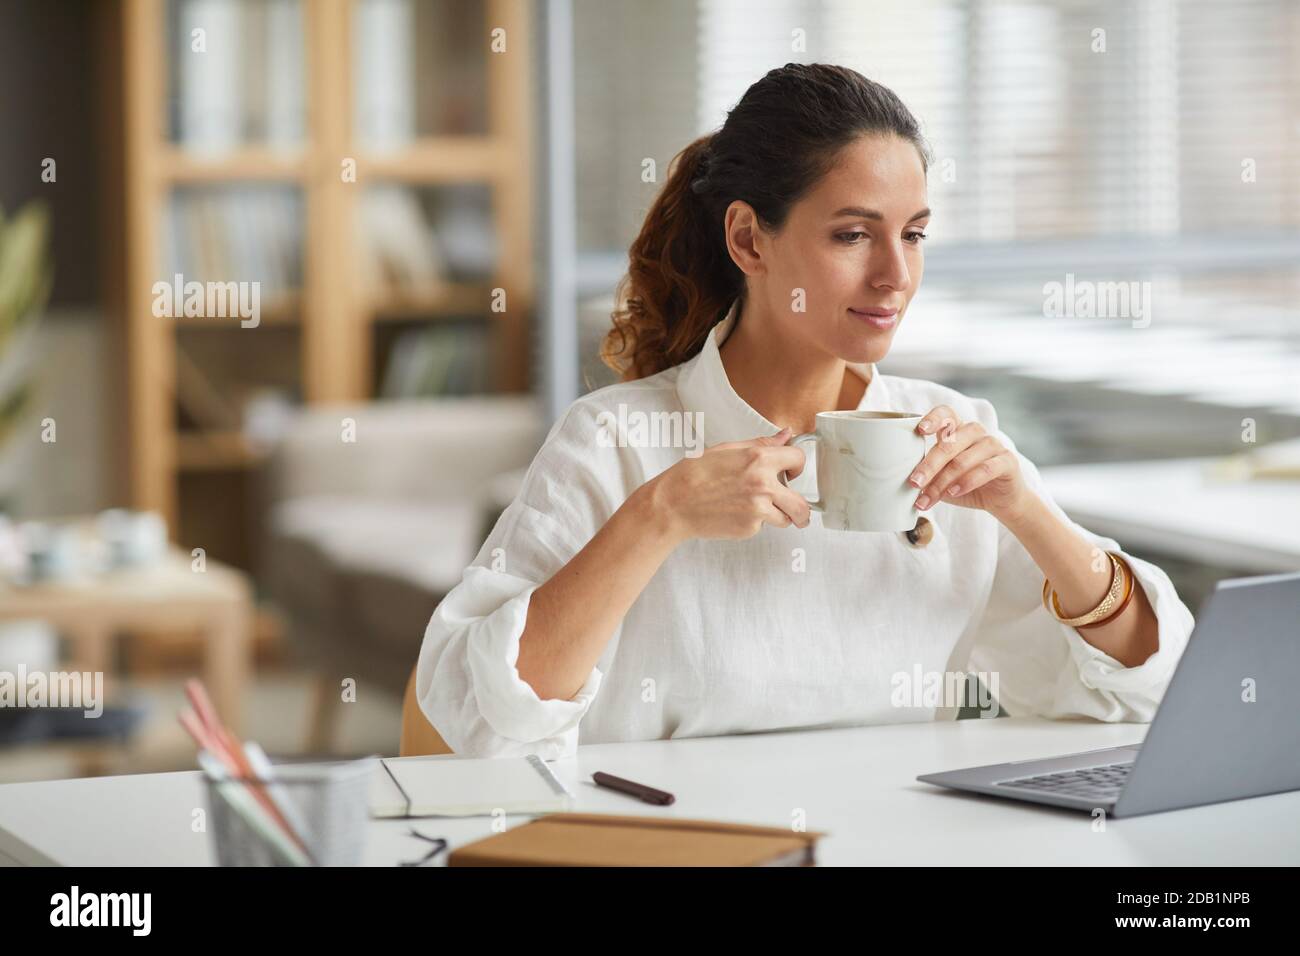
(1227, 728)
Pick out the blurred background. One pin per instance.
(434, 199)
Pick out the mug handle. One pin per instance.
(814, 503)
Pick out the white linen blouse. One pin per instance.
(792, 628)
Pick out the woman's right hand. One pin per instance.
(731, 490)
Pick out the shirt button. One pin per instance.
(922, 534)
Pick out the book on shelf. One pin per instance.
(399, 250)
(384, 104)
(419, 240)
(448, 358)
(208, 75)
(285, 105)
(242, 79)
(236, 234)
(419, 71)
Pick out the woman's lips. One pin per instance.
(883, 319)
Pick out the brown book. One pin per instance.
(598, 839)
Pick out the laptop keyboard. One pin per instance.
(1103, 782)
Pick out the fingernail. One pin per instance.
(923, 502)
(954, 491)
(915, 479)
(924, 426)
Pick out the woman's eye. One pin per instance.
(848, 238)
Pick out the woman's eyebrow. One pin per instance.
(873, 214)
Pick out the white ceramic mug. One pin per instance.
(863, 463)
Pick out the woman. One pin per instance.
(638, 589)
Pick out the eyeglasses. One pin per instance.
(439, 844)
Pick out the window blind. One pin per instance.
(1069, 119)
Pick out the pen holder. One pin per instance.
(327, 804)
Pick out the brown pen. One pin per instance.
(638, 790)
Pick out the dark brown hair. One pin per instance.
(776, 143)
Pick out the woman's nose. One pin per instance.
(891, 271)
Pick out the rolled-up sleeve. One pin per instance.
(1046, 668)
(466, 680)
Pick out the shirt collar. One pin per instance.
(703, 387)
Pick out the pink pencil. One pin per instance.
(206, 728)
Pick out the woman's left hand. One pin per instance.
(967, 466)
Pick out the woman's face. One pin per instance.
(854, 245)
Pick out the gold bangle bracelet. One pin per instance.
(1119, 575)
(1130, 585)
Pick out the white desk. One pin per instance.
(1173, 506)
(1166, 358)
(857, 784)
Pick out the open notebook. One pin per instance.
(449, 786)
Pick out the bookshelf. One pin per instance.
(327, 316)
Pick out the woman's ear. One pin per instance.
(740, 225)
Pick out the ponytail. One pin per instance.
(680, 279)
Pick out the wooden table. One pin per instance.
(91, 611)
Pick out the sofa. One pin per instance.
(373, 512)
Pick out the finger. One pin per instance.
(793, 504)
(939, 421)
(785, 458)
(980, 446)
(943, 452)
(998, 466)
(797, 470)
(962, 464)
(779, 438)
(775, 516)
